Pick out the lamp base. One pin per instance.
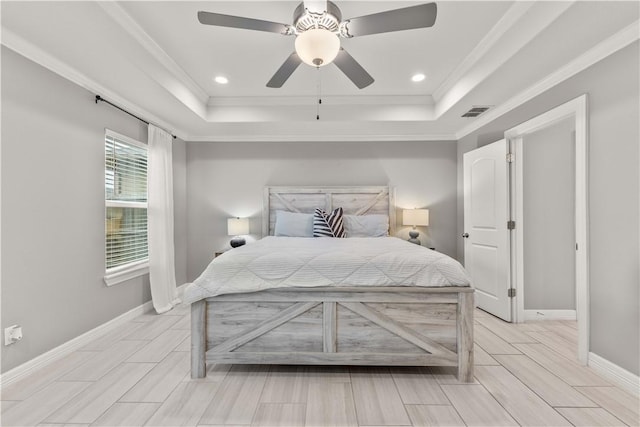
(414, 237)
(237, 241)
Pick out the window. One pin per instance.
(125, 182)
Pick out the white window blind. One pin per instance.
(125, 201)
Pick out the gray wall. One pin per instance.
(53, 207)
(227, 179)
(53, 210)
(614, 192)
(549, 215)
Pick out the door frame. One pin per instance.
(578, 110)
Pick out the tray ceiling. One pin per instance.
(156, 59)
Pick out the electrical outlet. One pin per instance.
(12, 334)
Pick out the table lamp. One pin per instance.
(237, 227)
(415, 217)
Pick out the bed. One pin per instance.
(240, 321)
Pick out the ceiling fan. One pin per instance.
(318, 26)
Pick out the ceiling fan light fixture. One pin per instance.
(317, 47)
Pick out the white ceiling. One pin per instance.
(157, 60)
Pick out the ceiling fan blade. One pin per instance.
(352, 69)
(220, 20)
(316, 6)
(408, 18)
(285, 71)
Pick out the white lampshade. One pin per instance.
(415, 217)
(237, 226)
(317, 47)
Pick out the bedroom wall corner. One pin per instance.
(53, 210)
(614, 191)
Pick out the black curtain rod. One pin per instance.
(101, 99)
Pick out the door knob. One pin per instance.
(465, 235)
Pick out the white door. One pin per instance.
(486, 236)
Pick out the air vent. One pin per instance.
(476, 110)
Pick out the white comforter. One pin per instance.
(281, 262)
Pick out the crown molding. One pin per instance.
(509, 19)
(539, 16)
(605, 48)
(321, 138)
(334, 108)
(131, 27)
(618, 41)
(183, 88)
(39, 56)
(275, 101)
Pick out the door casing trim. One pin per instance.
(577, 109)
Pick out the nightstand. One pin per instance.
(216, 254)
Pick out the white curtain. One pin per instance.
(162, 273)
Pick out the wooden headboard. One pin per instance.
(353, 200)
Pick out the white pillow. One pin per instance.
(293, 224)
(366, 225)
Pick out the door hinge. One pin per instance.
(511, 225)
(510, 157)
(511, 293)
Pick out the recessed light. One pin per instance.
(221, 80)
(418, 77)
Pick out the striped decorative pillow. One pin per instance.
(328, 224)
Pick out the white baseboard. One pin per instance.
(72, 345)
(614, 373)
(550, 315)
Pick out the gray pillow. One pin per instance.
(366, 225)
(293, 224)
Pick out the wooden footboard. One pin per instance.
(404, 326)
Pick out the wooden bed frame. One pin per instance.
(402, 326)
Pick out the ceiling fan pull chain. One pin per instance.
(319, 94)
